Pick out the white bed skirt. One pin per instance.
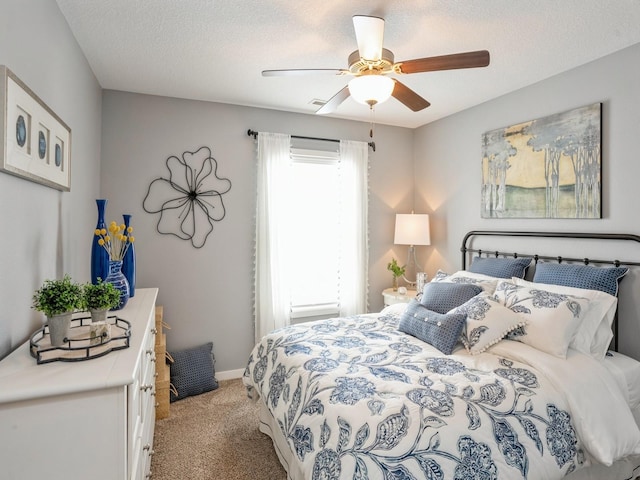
(625, 469)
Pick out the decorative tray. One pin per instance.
(83, 342)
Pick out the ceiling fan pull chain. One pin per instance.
(372, 121)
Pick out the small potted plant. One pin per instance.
(99, 298)
(397, 271)
(58, 299)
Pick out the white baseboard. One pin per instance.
(229, 374)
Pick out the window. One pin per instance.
(314, 233)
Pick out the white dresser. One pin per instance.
(91, 419)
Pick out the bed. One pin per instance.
(502, 369)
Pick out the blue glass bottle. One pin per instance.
(129, 260)
(99, 256)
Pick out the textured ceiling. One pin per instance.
(215, 50)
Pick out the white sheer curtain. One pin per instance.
(272, 300)
(354, 188)
(272, 260)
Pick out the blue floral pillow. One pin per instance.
(441, 297)
(488, 322)
(501, 267)
(552, 318)
(441, 331)
(487, 283)
(580, 276)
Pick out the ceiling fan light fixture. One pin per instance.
(371, 89)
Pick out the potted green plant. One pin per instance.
(397, 271)
(99, 298)
(58, 299)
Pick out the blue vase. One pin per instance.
(129, 261)
(99, 256)
(117, 278)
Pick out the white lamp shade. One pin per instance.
(412, 229)
(371, 89)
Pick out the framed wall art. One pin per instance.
(545, 168)
(35, 143)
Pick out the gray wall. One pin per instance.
(207, 293)
(46, 233)
(120, 142)
(448, 160)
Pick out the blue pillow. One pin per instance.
(500, 267)
(441, 297)
(580, 276)
(441, 331)
(192, 371)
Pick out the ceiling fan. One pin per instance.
(371, 64)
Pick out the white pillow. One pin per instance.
(488, 322)
(487, 283)
(394, 309)
(594, 334)
(552, 318)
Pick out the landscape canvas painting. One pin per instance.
(544, 168)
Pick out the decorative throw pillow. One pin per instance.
(488, 322)
(441, 297)
(441, 331)
(604, 279)
(552, 318)
(393, 309)
(439, 276)
(594, 333)
(487, 283)
(192, 371)
(500, 267)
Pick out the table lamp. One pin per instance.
(412, 229)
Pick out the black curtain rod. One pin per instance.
(254, 134)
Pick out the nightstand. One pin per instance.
(391, 297)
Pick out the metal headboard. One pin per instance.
(465, 249)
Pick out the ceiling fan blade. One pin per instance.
(475, 59)
(369, 35)
(407, 96)
(304, 71)
(334, 102)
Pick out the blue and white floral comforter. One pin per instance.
(357, 399)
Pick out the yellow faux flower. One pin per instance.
(116, 241)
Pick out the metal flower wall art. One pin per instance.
(190, 200)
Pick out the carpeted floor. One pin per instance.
(214, 436)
